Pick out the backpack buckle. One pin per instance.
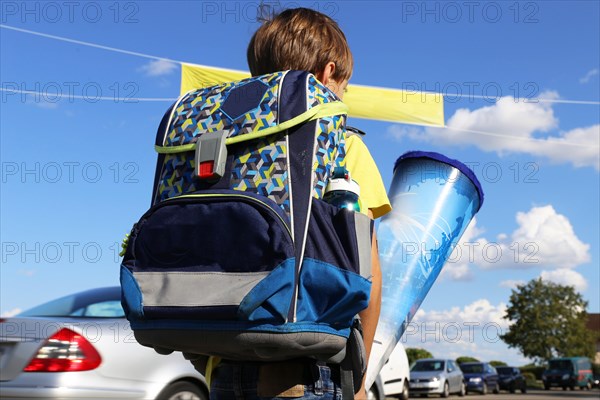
(211, 155)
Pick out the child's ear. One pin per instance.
(325, 75)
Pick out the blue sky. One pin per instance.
(76, 173)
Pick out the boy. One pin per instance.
(304, 39)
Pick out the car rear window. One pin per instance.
(428, 366)
(472, 368)
(562, 365)
(77, 306)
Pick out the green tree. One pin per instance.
(548, 320)
(496, 363)
(414, 354)
(465, 359)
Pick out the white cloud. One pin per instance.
(587, 77)
(586, 154)
(473, 330)
(46, 102)
(511, 284)
(482, 344)
(552, 235)
(513, 127)
(566, 277)
(401, 132)
(479, 312)
(158, 68)
(46, 105)
(11, 313)
(459, 271)
(27, 272)
(508, 117)
(543, 238)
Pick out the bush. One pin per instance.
(414, 354)
(465, 359)
(529, 377)
(531, 381)
(536, 370)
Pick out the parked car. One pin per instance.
(395, 374)
(436, 376)
(81, 346)
(480, 377)
(511, 379)
(376, 392)
(568, 372)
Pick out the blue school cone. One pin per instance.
(434, 199)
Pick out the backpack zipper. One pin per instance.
(245, 198)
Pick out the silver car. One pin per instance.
(81, 346)
(436, 376)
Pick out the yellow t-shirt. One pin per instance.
(364, 171)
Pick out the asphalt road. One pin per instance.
(533, 395)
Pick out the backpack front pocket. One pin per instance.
(197, 256)
(334, 283)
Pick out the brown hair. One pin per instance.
(301, 39)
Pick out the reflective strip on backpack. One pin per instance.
(196, 289)
(363, 242)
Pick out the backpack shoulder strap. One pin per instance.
(352, 131)
(160, 134)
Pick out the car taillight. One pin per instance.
(65, 351)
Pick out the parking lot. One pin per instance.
(535, 395)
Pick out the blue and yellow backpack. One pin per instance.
(239, 257)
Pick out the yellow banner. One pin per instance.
(382, 104)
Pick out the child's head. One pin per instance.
(302, 39)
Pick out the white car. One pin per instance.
(436, 376)
(395, 374)
(81, 346)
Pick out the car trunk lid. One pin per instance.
(20, 339)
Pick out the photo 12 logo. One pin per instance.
(470, 91)
(473, 252)
(52, 12)
(452, 332)
(39, 331)
(49, 93)
(53, 252)
(453, 12)
(486, 172)
(249, 11)
(69, 172)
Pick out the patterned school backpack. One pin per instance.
(239, 256)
